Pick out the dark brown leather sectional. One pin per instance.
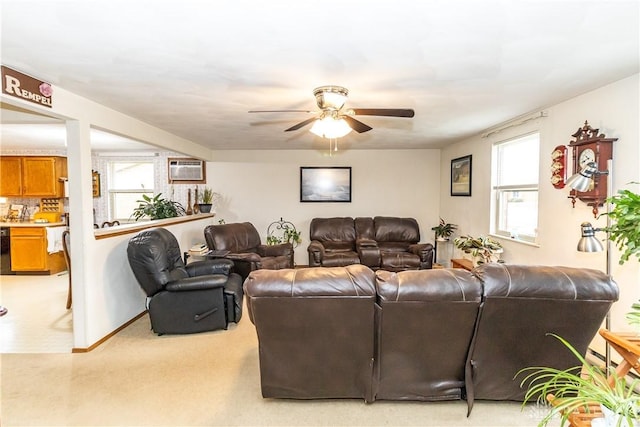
(350, 332)
(388, 243)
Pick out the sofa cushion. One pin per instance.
(338, 232)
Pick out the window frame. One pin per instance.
(112, 193)
(498, 192)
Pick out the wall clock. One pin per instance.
(590, 146)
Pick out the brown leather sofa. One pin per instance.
(388, 243)
(428, 335)
(242, 243)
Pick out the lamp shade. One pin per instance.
(330, 128)
(588, 241)
(582, 180)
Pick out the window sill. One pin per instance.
(522, 242)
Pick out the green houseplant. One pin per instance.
(625, 230)
(157, 207)
(580, 387)
(483, 249)
(444, 230)
(206, 200)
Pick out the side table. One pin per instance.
(462, 263)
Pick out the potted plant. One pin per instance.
(206, 199)
(157, 207)
(444, 230)
(624, 231)
(291, 235)
(578, 389)
(482, 249)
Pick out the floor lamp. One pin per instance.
(588, 242)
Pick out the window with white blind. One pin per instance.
(515, 177)
(127, 182)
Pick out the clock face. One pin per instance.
(586, 156)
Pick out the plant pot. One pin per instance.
(205, 207)
(611, 419)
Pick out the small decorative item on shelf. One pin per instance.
(189, 211)
(196, 206)
(444, 230)
(482, 249)
(283, 232)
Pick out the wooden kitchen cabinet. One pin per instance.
(29, 251)
(32, 176)
(10, 176)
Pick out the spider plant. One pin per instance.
(576, 388)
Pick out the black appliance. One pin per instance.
(5, 251)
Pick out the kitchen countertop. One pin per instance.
(32, 224)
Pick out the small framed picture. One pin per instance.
(461, 176)
(325, 184)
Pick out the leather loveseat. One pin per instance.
(428, 335)
(388, 243)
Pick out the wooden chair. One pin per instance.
(581, 417)
(67, 257)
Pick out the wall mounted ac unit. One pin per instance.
(187, 171)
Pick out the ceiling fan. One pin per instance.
(334, 121)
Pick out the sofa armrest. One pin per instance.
(316, 253)
(209, 266)
(244, 256)
(425, 252)
(282, 249)
(368, 252)
(197, 283)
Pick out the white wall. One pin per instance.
(615, 111)
(263, 186)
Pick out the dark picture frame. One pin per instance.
(461, 176)
(325, 184)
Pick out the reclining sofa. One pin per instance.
(388, 243)
(428, 335)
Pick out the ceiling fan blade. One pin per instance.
(356, 125)
(390, 112)
(281, 111)
(301, 124)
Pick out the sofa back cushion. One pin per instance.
(428, 319)
(522, 305)
(336, 233)
(235, 238)
(315, 330)
(399, 230)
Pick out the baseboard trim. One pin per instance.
(105, 338)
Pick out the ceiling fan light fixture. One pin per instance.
(330, 128)
(331, 97)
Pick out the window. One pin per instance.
(515, 176)
(128, 181)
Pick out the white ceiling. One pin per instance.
(195, 68)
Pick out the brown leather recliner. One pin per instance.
(242, 242)
(333, 242)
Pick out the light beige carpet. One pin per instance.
(211, 379)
